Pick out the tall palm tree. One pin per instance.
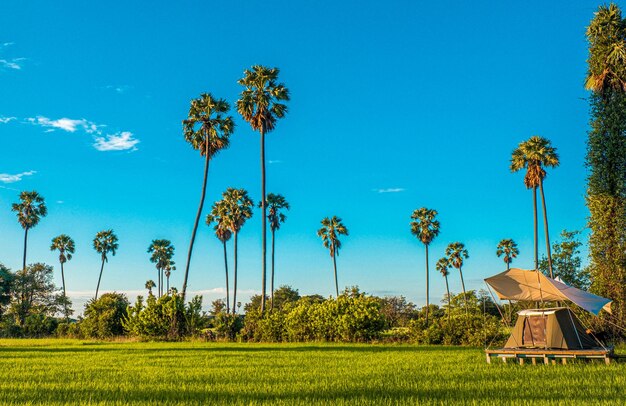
(425, 227)
(260, 104)
(218, 216)
(105, 243)
(208, 129)
(66, 247)
(150, 285)
(237, 209)
(456, 253)
(168, 272)
(162, 252)
(508, 248)
(30, 210)
(535, 154)
(442, 265)
(275, 203)
(331, 229)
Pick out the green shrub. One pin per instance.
(103, 317)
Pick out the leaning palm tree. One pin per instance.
(535, 154)
(30, 210)
(442, 265)
(508, 248)
(66, 247)
(425, 228)
(207, 129)
(218, 216)
(275, 203)
(237, 209)
(331, 229)
(105, 243)
(150, 285)
(162, 252)
(456, 253)
(261, 105)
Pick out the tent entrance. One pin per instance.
(534, 331)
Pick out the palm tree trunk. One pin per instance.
(168, 285)
(448, 291)
(158, 283)
(427, 296)
(25, 246)
(264, 208)
(235, 273)
(195, 225)
(535, 225)
(335, 267)
(545, 226)
(64, 295)
(508, 264)
(272, 278)
(463, 285)
(99, 279)
(226, 267)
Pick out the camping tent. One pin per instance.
(533, 286)
(556, 328)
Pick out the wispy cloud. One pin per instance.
(8, 178)
(5, 120)
(6, 44)
(274, 161)
(118, 88)
(389, 190)
(66, 124)
(122, 141)
(15, 63)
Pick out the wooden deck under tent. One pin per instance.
(547, 356)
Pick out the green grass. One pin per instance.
(54, 372)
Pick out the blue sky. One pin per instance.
(395, 106)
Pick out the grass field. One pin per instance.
(53, 372)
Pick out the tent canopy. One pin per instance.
(523, 285)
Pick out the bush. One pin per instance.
(103, 317)
(39, 325)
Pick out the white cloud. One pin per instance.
(276, 161)
(118, 89)
(8, 178)
(5, 120)
(121, 141)
(66, 124)
(389, 190)
(6, 44)
(14, 63)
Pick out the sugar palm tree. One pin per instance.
(508, 248)
(208, 129)
(168, 272)
(331, 229)
(456, 253)
(261, 105)
(275, 203)
(150, 285)
(222, 232)
(237, 210)
(66, 247)
(162, 252)
(442, 265)
(29, 210)
(425, 227)
(535, 154)
(105, 243)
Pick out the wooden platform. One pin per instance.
(547, 356)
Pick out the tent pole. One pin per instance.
(501, 315)
(574, 327)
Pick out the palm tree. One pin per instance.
(237, 209)
(425, 228)
(535, 154)
(207, 129)
(162, 252)
(168, 271)
(149, 285)
(65, 245)
(222, 232)
(442, 265)
(275, 203)
(104, 243)
(30, 210)
(456, 253)
(509, 249)
(260, 105)
(331, 229)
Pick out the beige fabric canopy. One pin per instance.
(520, 284)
